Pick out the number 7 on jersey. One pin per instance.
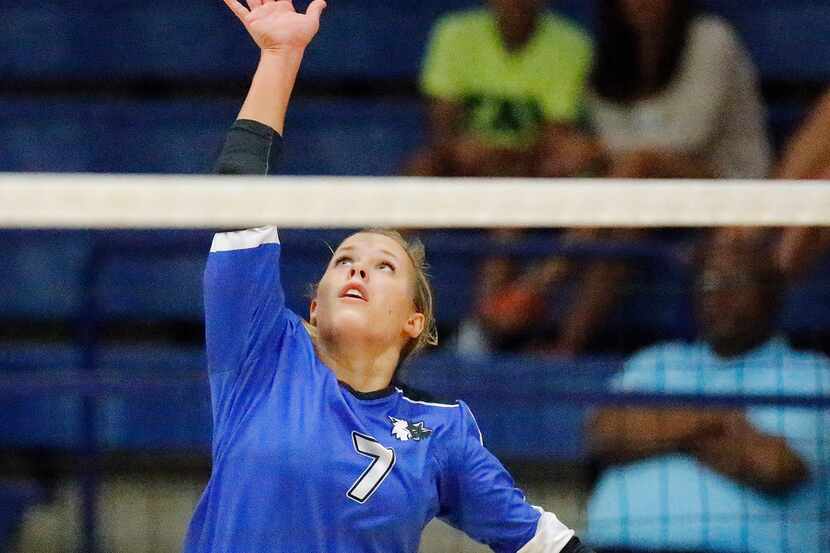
(383, 459)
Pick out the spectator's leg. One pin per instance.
(597, 295)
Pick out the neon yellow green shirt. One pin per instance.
(508, 95)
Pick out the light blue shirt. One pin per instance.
(675, 502)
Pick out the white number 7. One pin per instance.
(383, 459)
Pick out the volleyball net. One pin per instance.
(611, 337)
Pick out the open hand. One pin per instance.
(275, 25)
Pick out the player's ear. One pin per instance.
(414, 325)
(312, 313)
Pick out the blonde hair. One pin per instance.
(423, 297)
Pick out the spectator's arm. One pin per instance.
(659, 164)
(806, 156)
(799, 248)
(622, 434)
(444, 121)
(746, 455)
(565, 151)
(808, 153)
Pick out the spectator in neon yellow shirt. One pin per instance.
(506, 87)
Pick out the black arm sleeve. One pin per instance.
(575, 546)
(248, 148)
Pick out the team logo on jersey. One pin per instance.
(404, 431)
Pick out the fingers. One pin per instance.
(238, 9)
(285, 6)
(254, 4)
(315, 9)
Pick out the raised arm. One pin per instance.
(282, 35)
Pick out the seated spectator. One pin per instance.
(506, 86)
(717, 479)
(674, 94)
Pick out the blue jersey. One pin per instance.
(302, 463)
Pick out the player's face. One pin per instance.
(646, 15)
(367, 294)
(733, 303)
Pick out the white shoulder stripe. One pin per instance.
(551, 535)
(480, 435)
(244, 239)
(445, 405)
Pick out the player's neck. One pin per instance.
(361, 368)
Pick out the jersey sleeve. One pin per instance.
(479, 497)
(244, 300)
(249, 146)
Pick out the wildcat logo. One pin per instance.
(404, 431)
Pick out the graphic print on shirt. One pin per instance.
(404, 431)
(383, 459)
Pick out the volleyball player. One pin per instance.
(314, 449)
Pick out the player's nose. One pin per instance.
(358, 272)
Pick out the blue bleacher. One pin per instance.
(325, 137)
(43, 418)
(16, 497)
(107, 135)
(128, 39)
(542, 423)
(42, 274)
(172, 412)
(367, 39)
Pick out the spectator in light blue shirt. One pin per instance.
(751, 479)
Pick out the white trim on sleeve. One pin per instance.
(244, 239)
(551, 535)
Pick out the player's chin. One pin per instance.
(352, 319)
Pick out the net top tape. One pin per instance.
(208, 201)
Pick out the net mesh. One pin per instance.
(592, 326)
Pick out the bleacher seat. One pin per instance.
(522, 405)
(42, 274)
(127, 39)
(351, 137)
(106, 135)
(806, 310)
(32, 415)
(367, 39)
(16, 497)
(172, 411)
(787, 39)
(150, 275)
(326, 137)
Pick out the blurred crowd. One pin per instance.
(662, 90)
